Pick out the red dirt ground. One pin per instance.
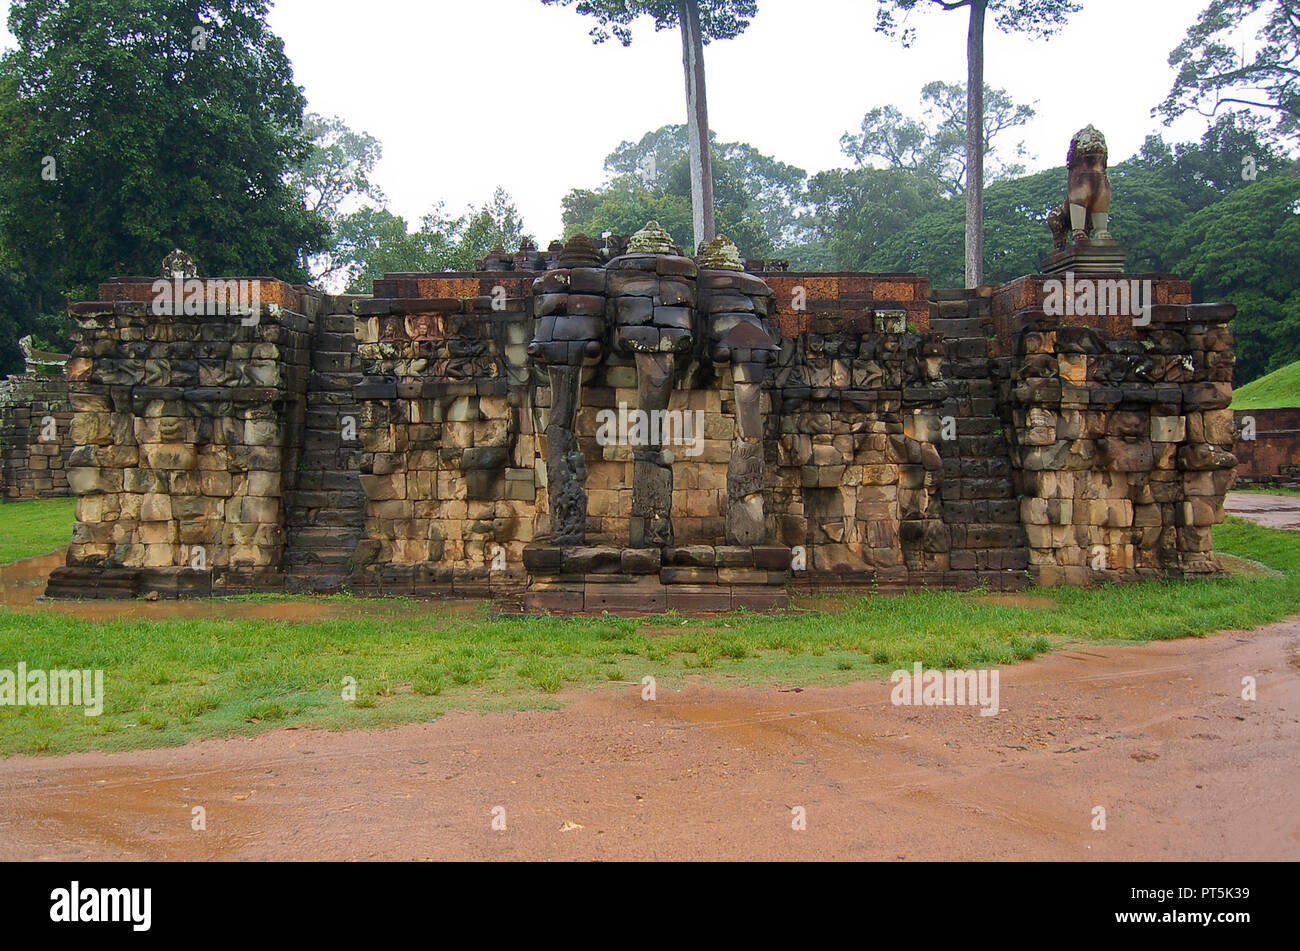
(1157, 735)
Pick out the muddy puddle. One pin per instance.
(22, 583)
(1271, 511)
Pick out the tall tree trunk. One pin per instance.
(697, 123)
(975, 145)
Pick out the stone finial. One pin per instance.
(551, 257)
(178, 264)
(580, 251)
(721, 254)
(528, 258)
(498, 259)
(652, 239)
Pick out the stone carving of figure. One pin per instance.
(1087, 203)
(735, 307)
(652, 303)
(569, 305)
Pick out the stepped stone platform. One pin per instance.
(458, 435)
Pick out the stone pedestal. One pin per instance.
(1096, 257)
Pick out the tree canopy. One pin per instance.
(373, 241)
(757, 197)
(935, 144)
(1214, 73)
(130, 129)
(1036, 17)
(719, 19)
(1246, 248)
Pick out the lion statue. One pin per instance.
(1087, 203)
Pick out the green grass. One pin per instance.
(174, 680)
(1276, 390)
(1267, 491)
(34, 528)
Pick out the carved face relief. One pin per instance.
(424, 327)
(392, 329)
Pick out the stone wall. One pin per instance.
(1122, 436)
(399, 443)
(187, 431)
(1273, 454)
(448, 462)
(35, 436)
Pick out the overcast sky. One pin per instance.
(466, 95)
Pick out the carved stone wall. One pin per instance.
(401, 443)
(1122, 434)
(187, 432)
(449, 462)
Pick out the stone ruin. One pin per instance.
(630, 429)
(35, 427)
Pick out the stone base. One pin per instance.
(158, 583)
(113, 584)
(1106, 257)
(629, 581)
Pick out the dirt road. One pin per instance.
(1159, 736)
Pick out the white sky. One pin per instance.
(466, 95)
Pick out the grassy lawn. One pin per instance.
(1275, 390)
(34, 528)
(170, 681)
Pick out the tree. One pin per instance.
(757, 197)
(1037, 17)
(935, 144)
(743, 176)
(1214, 74)
(336, 174)
(1246, 248)
(479, 230)
(1016, 222)
(1163, 184)
(371, 242)
(130, 129)
(700, 22)
(855, 211)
